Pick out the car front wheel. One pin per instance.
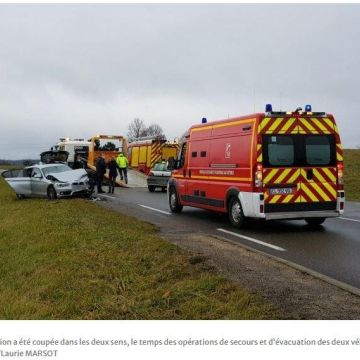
(151, 188)
(174, 204)
(51, 193)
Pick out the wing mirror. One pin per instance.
(172, 164)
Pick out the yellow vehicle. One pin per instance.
(143, 154)
(109, 146)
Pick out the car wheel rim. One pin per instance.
(173, 199)
(236, 212)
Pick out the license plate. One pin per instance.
(281, 191)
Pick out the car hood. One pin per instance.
(70, 176)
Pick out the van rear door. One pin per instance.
(301, 169)
(318, 174)
(281, 176)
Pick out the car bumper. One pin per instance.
(254, 205)
(157, 181)
(74, 191)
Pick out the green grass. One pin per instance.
(72, 259)
(352, 174)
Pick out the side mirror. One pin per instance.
(37, 176)
(171, 163)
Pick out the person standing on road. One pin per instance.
(77, 162)
(113, 169)
(123, 164)
(100, 172)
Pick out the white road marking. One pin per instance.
(348, 219)
(153, 209)
(108, 196)
(252, 239)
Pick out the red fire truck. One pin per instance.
(272, 165)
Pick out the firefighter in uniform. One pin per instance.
(123, 164)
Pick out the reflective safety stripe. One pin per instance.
(259, 153)
(308, 192)
(303, 125)
(270, 175)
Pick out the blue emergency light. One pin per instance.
(268, 108)
(308, 108)
(203, 120)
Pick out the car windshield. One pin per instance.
(55, 169)
(160, 167)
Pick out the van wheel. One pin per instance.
(151, 188)
(315, 221)
(20, 196)
(236, 214)
(51, 193)
(175, 206)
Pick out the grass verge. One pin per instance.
(352, 174)
(71, 259)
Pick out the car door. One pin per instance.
(38, 183)
(19, 180)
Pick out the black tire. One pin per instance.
(235, 213)
(174, 203)
(314, 222)
(151, 188)
(51, 193)
(20, 196)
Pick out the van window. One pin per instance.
(317, 150)
(182, 155)
(299, 150)
(280, 151)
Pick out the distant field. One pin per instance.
(9, 167)
(72, 259)
(352, 174)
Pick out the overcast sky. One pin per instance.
(80, 70)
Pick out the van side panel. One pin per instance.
(220, 157)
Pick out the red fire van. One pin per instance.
(272, 165)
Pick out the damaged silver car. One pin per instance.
(54, 180)
(51, 181)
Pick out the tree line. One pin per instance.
(138, 129)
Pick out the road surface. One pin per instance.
(333, 250)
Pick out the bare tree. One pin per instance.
(156, 131)
(136, 129)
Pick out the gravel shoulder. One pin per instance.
(296, 294)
